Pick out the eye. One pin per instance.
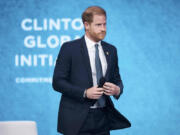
(98, 25)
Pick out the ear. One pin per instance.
(86, 25)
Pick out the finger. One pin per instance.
(106, 87)
(100, 89)
(108, 91)
(109, 84)
(98, 93)
(108, 94)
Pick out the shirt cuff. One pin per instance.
(84, 94)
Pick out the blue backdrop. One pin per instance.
(145, 32)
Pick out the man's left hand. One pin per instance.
(111, 89)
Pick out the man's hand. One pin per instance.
(111, 89)
(94, 92)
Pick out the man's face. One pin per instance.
(96, 30)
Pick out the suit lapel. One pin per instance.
(86, 59)
(107, 54)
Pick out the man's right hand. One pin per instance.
(94, 92)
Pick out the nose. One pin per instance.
(103, 27)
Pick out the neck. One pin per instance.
(92, 39)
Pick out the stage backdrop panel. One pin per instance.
(145, 33)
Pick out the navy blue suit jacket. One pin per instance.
(72, 75)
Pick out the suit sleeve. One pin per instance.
(116, 75)
(62, 72)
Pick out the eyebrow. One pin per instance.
(99, 23)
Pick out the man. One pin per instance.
(82, 67)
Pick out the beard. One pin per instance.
(96, 37)
(102, 35)
(99, 36)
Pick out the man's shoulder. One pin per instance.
(108, 45)
(72, 42)
(71, 45)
